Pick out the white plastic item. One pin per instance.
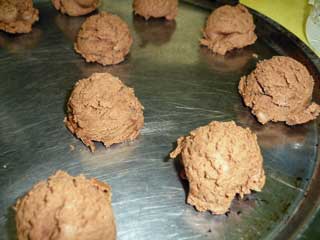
(313, 26)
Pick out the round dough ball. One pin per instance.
(76, 7)
(64, 208)
(156, 8)
(17, 16)
(104, 38)
(280, 89)
(220, 160)
(228, 28)
(101, 108)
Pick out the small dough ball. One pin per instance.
(229, 28)
(66, 207)
(104, 38)
(280, 90)
(17, 16)
(76, 7)
(101, 108)
(220, 160)
(156, 8)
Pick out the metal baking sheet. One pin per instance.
(182, 86)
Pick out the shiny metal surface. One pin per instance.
(181, 86)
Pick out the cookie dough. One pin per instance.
(228, 28)
(220, 160)
(156, 8)
(17, 16)
(104, 38)
(76, 7)
(280, 90)
(66, 207)
(101, 108)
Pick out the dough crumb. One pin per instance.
(66, 207)
(220, 160)
(280, 90)
(101, 108)
(72, 147)
(228, 28)
(75, 7)
(17, 16)
(104, 38)
(156, 8)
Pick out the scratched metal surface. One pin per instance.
(181, 87)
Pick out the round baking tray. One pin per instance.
(182, 86)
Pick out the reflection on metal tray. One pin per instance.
(181, 86)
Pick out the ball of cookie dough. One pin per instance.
(76, 7)
(220, 160)
(66, 207)
(228, 28)
(17, 16)
(156, 8)
(280, 90)
(104, 38)
(101, 108)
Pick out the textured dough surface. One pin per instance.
(104, 38)
(66, 208)
(17, 16)
(280, 90)
(228, 28)
(101, 108)
(156, 8)
(76, 7)
(220, 160)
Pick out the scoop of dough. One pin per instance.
(101, 108)
(104, 38)
(228, 28)
(280, 90)
(220, 160)
(76, 7)
(156, 8)
(66, 207)
(17, 16)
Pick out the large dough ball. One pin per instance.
(104, 38)
(101, 108)
(228, 28)
(17, 16)
(66, 208)
(156, 8)
(280, 89)
(220, 160)
(76, 7)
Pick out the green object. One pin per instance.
(292, 14)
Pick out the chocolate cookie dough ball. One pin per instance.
(156, 8)
(220, 160)
(17, 16)
(228, 28)
(66, 207)
(104, 38)
(76, 7)
(101, 108)
(280, 90)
